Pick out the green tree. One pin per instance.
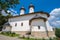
(2, 19)
(5, 5)
(8, 16)
(57, 32)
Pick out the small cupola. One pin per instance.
(22, 10)
(31, 8)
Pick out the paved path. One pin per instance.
(2, 37)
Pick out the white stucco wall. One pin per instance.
(38, 22)
(25, 26)
(7, 28)
(49, 27)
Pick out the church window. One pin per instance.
(15, 24)
(38, 27)
(53, 29)
(4, 27)
(31, 9)
(21, 24)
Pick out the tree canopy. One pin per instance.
(57, 32)
(5, 4)
(2, 19)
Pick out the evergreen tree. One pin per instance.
(5, 5)
(57, 32)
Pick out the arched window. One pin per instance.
(38, 27)
(4, 27)
(21, 24)
(53, 29)
(15, 24)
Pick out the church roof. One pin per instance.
(41, 12)
(6, 24)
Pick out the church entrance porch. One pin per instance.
(37, 27)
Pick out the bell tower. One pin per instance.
(22, 10)
(31, 8)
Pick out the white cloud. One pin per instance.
(4, 13)
(55, 12)
(8, 11)
(13, 12)
(58, 21)
(54, 18)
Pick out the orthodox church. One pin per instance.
(34, 24)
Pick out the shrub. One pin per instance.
(50, 38)
(7, 33)
(43, 39)
(2, 33)
(33, 39)
(55, 38)
(12, 34)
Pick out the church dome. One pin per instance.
(22, 8)
(31, 5)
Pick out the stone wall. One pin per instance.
(51, 34)
(41, 34)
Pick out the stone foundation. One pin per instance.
(37, 34)
(51, 33)
(21, 32)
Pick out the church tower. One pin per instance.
(31, 8)
(22, 10)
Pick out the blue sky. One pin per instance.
(40, 5)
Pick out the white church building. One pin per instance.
(34, 23)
